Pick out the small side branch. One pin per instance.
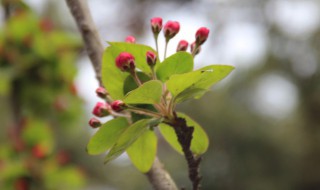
(184, 134)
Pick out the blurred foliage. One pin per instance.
(37, 71)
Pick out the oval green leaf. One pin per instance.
(112, 78)
(106, 136)
(200, 140)
(143, 152)
(178, 63)
(148, 93)
(129, 136)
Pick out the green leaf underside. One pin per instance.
(178, 63)
(106, 136)
(200, 140)
(148, 93)
(194, 84)
(112, 78)
(129, 136)
(142, 152)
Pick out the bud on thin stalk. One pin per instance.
(156, 26)
(195, 49)
(130, 39)
(182, 46)
(202, 35)
(118, 106)
(101, 109)
(101, 92)
(94, 123)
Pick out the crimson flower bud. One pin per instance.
(202, 35)
(118, 105)
(130, 39)
(192, 46)
(171, 28)
(94, 123)
(125, 61)
(101, 92)
(151, 58)
(156, 25)
(182, 46)
(101, 109)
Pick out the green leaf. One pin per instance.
(112, 78)
(217, 73)
(178, 63)
(138, 51)
(106, 136)
(129, 136)
(130, 84)
(189, 93)
(200, 140)
(178, 83)
(196, 83)
(148, 93)
(143, 151)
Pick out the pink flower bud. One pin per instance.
(171, 28)
(101, 92)
(182, 46)
(202, 35)
(101, 109)
(125, 61)
(118, 105)
(156, 25)
(130, 39)
(151, 58)
(94, 123)
(192, 46)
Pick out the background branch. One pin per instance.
(158, 176)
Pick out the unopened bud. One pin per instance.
(171, 28)
(130, 39)
(101, 92)
(193, 46)
(101, 109)
(118, 106)
(94, 123)
(151, 58)
(202, 35)
(156, 25)
(125, 61)
(182, 46)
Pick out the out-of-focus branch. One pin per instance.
(158, 176)
(80, 11)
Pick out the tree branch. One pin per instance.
(158, 176)
(184, 134)
(80, 11)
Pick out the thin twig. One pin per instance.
(158, 177)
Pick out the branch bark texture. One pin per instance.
(158, 176)
(185, 134)
(80, 11)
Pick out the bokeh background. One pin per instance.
(263, 120)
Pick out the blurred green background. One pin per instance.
(263, 120)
